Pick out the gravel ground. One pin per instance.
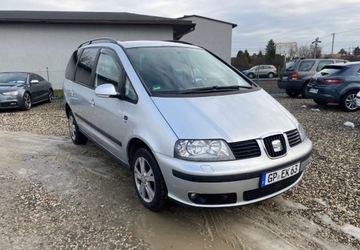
(330, 187)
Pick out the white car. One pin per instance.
(358, 99)
(190, 127)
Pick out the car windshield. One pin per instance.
(12, 78)
(179, 70)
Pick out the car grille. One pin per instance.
(270, 148)
(293, 137)
(245, 149)
(270, 189)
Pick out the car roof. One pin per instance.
(136, 43)
(148, 43)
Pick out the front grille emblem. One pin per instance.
(277, 146)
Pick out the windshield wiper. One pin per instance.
(214, 89)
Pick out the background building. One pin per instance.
(214, 35)
(42, 41)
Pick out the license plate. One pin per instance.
(312, 90)
(278, 175)
(284, 78)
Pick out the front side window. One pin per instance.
(85, 66)
(108, 69)
(179, 70)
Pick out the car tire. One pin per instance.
(76, 136)
(251, 75)
(27, 101)
(303, 91)
(148, 180)
(271, 75)
(292, 93)
(50, 95)
(320, 102)
(348, 101)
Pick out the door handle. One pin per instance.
(92, 102)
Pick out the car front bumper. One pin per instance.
(230, 183)
(7, 102)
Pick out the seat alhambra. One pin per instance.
(190, 127)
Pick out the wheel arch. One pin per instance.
(133, 145)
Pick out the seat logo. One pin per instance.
(277, 147)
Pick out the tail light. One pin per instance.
(294, 75)
(333, 81)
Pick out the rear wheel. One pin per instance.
(149, 183)
(76, 136)
(320, 102)
(303, 91)
(50, 96)
(27, 102)
(292, 93)
(348, 101)
(271, 75)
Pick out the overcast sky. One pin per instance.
(257, 21)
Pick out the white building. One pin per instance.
(42, 41)
(212, 34)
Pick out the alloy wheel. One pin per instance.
(350, 102)
(144, 179)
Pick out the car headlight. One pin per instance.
(302, 132)
(203, 150)
(11, 93)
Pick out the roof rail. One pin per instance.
(98, 40)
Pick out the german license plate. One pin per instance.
(278, 175)
(312, 90)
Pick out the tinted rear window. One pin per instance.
(331, 69)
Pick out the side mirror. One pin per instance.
(34, 81)
(106, 90)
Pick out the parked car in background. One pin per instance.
(297, 73)
(261, 71)
(358, 99)
(23, 89)
(190, 127)
(336, 83)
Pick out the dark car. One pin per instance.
(22, 89)
(297, 73)
(336, 83)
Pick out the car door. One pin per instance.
(108, 113)
(80, 92)
(35, 88)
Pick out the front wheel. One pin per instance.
(149, 183)
(251, 75)
(27, 102)
(348, 101)
(76, 136)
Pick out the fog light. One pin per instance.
(193, 196)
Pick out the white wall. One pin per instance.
(212, 35)
(46, 48)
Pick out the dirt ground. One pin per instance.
(55, 195)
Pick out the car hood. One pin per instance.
(230, 117)
(8, 88)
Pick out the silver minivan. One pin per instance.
(190, 127)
